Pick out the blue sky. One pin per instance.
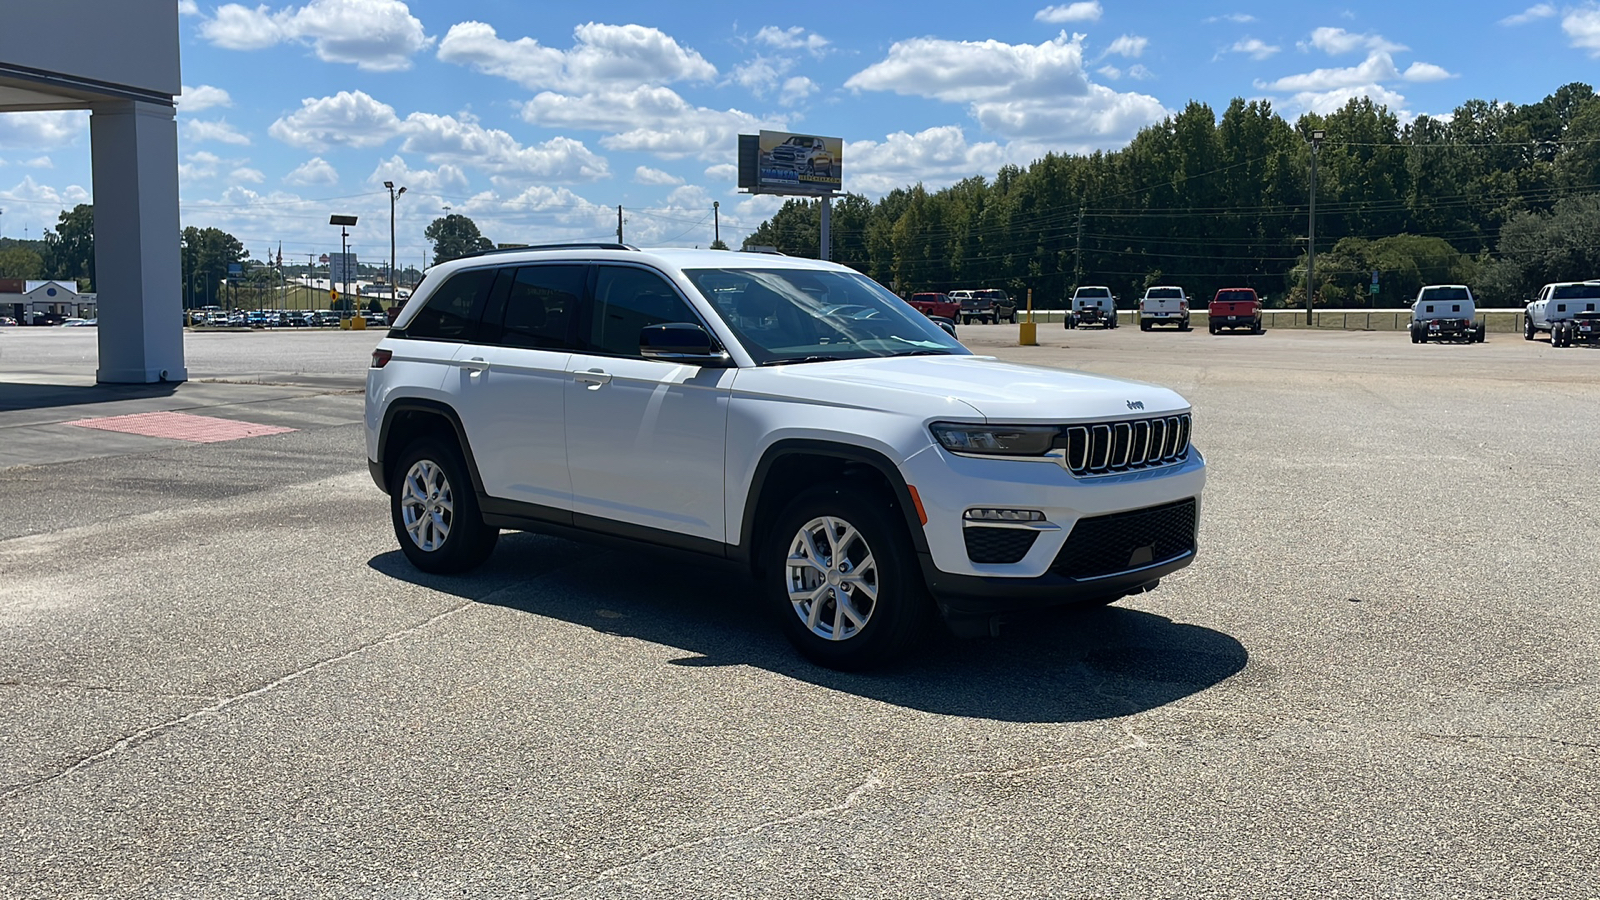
(538, 119)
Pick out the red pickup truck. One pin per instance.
(936, 306)
(1234, 308)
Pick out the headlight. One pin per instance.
(995, 440)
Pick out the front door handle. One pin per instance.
(475, 366)
(594, 378)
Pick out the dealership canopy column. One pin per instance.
(120, 62)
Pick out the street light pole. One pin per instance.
(344, 252)
(1311, 228)
(392, 195)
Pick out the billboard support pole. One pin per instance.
(827, 223)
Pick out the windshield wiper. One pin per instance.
(801, 359)
(922, 353)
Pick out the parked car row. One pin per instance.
(279, 318)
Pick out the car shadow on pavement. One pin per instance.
(1066, 665)
(15, 396)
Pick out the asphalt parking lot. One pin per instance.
(219, 678)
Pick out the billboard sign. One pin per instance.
(787, 163)
(342, 268)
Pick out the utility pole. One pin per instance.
(1077, 253)
(619, 223)
(393, 194)
(716, 222)
(1311, 228)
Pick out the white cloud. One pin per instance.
(1537, 11)
(377, 35)
(352, 119)
(30, 191)
(1140, 73)
(1421, 71)
(727, 173)
(1240, 18)
(463, 141)
(245, 173)
(795, 38)
(649, 119)
(1022, 91)
(200, 165)
(1109, 72)
(647, 175)
(1129, 45)
(1325, 102)
(447, 177)
(604, 55)
(936, 157)
(1583, 28)
(796, 90)
(194, 99)
(1087, 11)
(1254, 48)
(1337, 42)
(314, 171)
(39, 162)
(188, 8)
(760, 75)
(220, 131)
(1377, 67)
(42, 130)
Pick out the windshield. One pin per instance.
(1164, 294)
(1577, 291)
(805, 315)
(1445, 293)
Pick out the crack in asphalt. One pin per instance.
(1534, 738)
(867, 787)
(145, 734)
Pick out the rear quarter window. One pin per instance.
(451, 311)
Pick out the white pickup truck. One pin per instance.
(1569, 310)
(1445, 312)
(1164, 305)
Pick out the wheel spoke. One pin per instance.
(841, 545)
(814, 614)
(796, 562)
(804, 594)
(838, 616)
(860, 583)
(812, 550)
(847, 610)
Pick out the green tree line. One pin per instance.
(1496, 195)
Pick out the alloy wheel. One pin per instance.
(832, 578)
(427, 505)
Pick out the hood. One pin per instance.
(967, 386)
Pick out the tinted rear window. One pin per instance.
(1165, 294)
(1445, 293)
(1094, 292)
(450, 311)
(1227, 296)
(1577, 291)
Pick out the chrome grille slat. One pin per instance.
(1107, 448)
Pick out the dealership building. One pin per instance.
(119, 61)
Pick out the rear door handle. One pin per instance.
(594, 378)
(476, 365)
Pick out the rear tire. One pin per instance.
(435, 512)
(839, 571)
(1527, 328)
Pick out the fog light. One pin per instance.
(1003, 515)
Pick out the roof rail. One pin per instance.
(589, 245)
(762, 248)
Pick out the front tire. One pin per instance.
(840, 572)
(435, 511)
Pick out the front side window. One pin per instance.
(452, 308)
(626, 300)
(807, 315)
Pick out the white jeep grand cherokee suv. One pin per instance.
(788, 415)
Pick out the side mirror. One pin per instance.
(680, 342)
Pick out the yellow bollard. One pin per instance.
(358, 323)
(1028, 332)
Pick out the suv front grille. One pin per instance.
(1106, 448)
(1106, 545)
